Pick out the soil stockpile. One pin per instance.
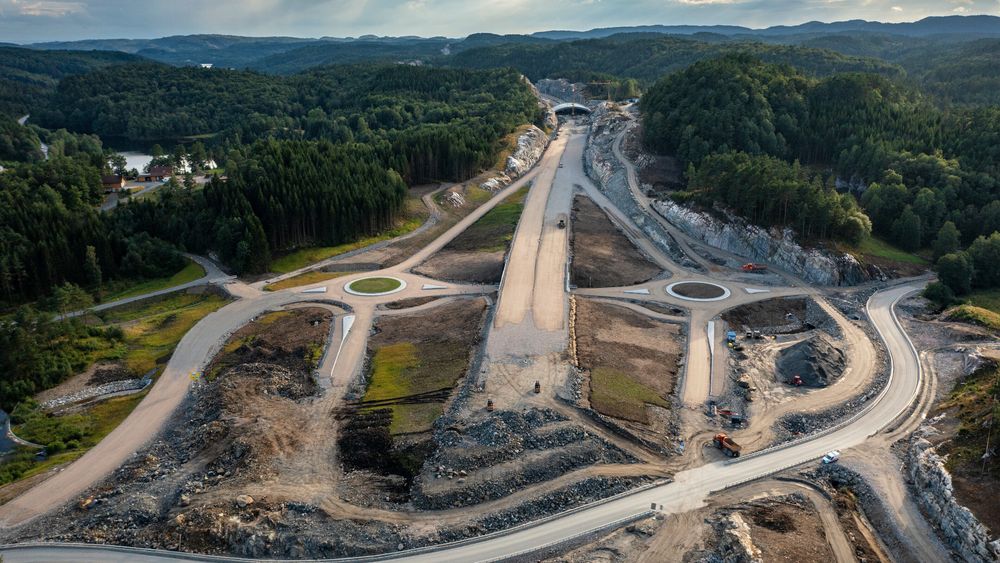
(817, 360)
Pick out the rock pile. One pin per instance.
(817, 360)
(530, 146)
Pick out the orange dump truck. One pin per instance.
(727, 445)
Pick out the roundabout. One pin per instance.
(375, 286)
(698, 291)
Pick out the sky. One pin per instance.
(27, 21)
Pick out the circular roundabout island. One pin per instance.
(698, 291)
(375, 286)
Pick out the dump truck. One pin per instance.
(753, 267)
(731, 336)
(727, 445)
(796, 380)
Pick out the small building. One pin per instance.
(113, 183)
(157, 174)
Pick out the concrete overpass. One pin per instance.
(570, 107)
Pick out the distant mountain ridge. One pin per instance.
(935, 25)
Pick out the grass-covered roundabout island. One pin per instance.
(382, 285)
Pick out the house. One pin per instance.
(113, 183)
(157, 174)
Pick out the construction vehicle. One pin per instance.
(562, 223)
(754, 334)
(538, 387)
(753, 267)
(796, 381)
(731, 337)
(489, 405)
(727, 445)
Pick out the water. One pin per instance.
(136, 160)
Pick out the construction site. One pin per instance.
(551, 369)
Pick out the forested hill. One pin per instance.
(647, 57)
(739, 122)
(27, 76)
(427, 123)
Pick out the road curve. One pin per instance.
(689, 489)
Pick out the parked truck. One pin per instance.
(727, 445)
(753, 267)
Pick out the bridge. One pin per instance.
(571, 107)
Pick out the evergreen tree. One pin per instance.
(948, 240)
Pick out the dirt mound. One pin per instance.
(817, 360)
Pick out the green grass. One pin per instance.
(988, 299)
(614, 393)
(974, 315)
(494, 230)
(877, 248)
(152, 339)
(193, 271)
(971, 402)
(304, 279)
(67, 437)
(404, 369)
(415, 215)
(374, 285)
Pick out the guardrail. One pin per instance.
(867, 408)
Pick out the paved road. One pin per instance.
(688, 491)
(212, 275)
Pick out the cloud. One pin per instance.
(896, 8)
(50, 9)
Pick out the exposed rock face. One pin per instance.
(959, 527)
(562, 89)
(817, 360)
(762, 245)
(530, 146)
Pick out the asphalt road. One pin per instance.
(688, 490)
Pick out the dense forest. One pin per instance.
(925, 177)
(425, 123)
(648, 57)
(27, 76)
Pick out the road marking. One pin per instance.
(315, 290)
(642, 291)
(432, 286)
(753, 290)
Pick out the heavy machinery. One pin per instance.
(731, 337)
(538, 387)
(755, 334)
(753, 267)
(796, 380)
(562, 223)
(727, 445)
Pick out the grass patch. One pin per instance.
(614, 393)
(374, 285)
(193, 271)
(397, 372)
(304, 279)
(494, 230)
(152, 339)
(988, 299)
(66, 437)
(874, 247)
(971, 402)
(414, 216)
(974, 315)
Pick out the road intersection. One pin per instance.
(533, 292)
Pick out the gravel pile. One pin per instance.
(817, 360)
(112, 388)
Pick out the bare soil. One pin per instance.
(602, 255)
(408, 303)
(287, 338)
(788, 529)
(391, 435)
(696, 290)
(866, 546)
(768, 313)
(464, 266)
(642, 351)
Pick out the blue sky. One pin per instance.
(23, 21)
